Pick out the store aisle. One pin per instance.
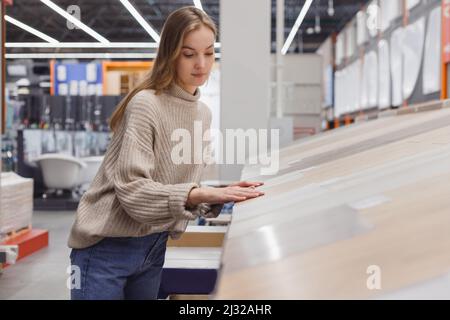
(42, 275)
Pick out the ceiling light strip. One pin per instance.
(75, 21)
(130, 45)
(296, 26)
(141, 20)
(198, 4)
(84, 55)
(87, 45)
(31, 30)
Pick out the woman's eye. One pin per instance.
(209, 53)
(188, 55)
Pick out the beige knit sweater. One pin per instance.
(138, 189)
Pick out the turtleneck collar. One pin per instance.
(178, 92)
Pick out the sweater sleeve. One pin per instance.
(144, 199)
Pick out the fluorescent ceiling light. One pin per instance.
(26, 27)
(141, 20)
(83, 55)
(129, 45)
(198, 4)
(296, 26)
(75, 21)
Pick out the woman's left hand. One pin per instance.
(246, 184)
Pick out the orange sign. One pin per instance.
(446, 31)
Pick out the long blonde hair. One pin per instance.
(163, 73)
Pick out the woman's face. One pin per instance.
(196, 59)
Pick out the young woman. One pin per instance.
(140, 196)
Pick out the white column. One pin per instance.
(245, 69)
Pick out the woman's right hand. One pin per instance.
(221, 195)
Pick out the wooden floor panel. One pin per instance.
(321, 226)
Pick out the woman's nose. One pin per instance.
(200, 62)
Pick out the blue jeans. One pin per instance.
(120, 268)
